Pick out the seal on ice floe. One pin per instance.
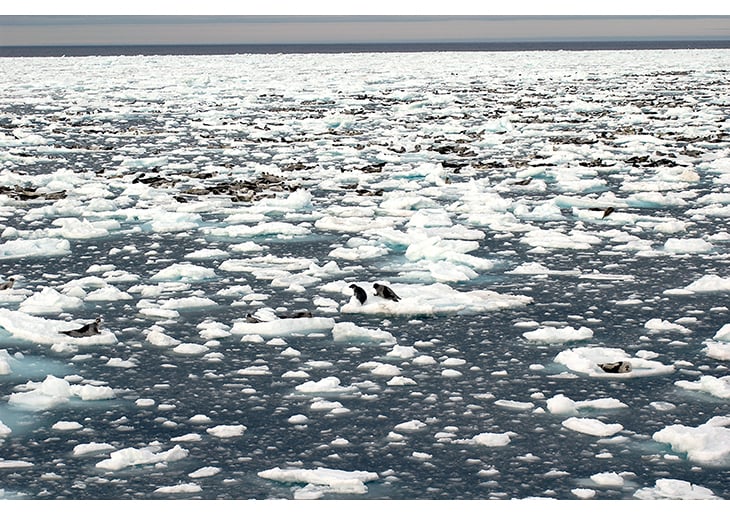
(382, 290)
(297, 314)
(618, 367)
(7, 284)
(607, 211)
(523, 182)
(86, 330)
(359, 293)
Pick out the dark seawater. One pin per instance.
(516, 46)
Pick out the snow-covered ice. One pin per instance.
(539, 214)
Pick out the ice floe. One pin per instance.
(585, 360)
(708, 443)
(321, 480)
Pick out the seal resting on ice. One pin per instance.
(619, 367)
(86, 330)
(7, 284)
(359, 293)
(384, 291)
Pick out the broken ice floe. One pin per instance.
(433, 299)
(130, 457)
(585, 360)
(675, 489)
(48, 332)
(321, 480)
(708, 443)
(558, 334)
(715, 386)
(54, 391)
(591, 426)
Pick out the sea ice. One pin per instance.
(708, 443)
(586, 360)
(337, 481)
(184, 273)
(715, 386)
(675, 489)
(591, 426)
(41, 247)
(53, 391)
(130, 457)
(434, 299)
(558, 334)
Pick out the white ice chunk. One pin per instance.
(338, 481)
(675, 489)
(562, 405)
(329, 384)
(204, 472)
(48, 300)
(107, 294)
(708, 443)
(488, 439)
(591, 426)
(350, 332)
(184, 273)
(709, 284)
(17, 249)
(586, 360)
(284, 327)
(53, 391)
(39, 330)
(227, 431)
(558, 334)
(182, 488)
(83, 449)
(433, 299)
(130, 457)
(659, 325)
(715, 386)
(687, 246)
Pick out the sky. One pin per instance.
(74, 22)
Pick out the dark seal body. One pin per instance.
(87, 330)
(7, 284)
(359, 293)
(619, 367)
(384, 291)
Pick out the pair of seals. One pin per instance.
(86, 330)
(618, 367)
(381, 290)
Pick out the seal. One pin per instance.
(359, 293)
(607, 211)
(384, 291)
(7, 284)
(619, 367)
(86, 330)
(297, 314)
